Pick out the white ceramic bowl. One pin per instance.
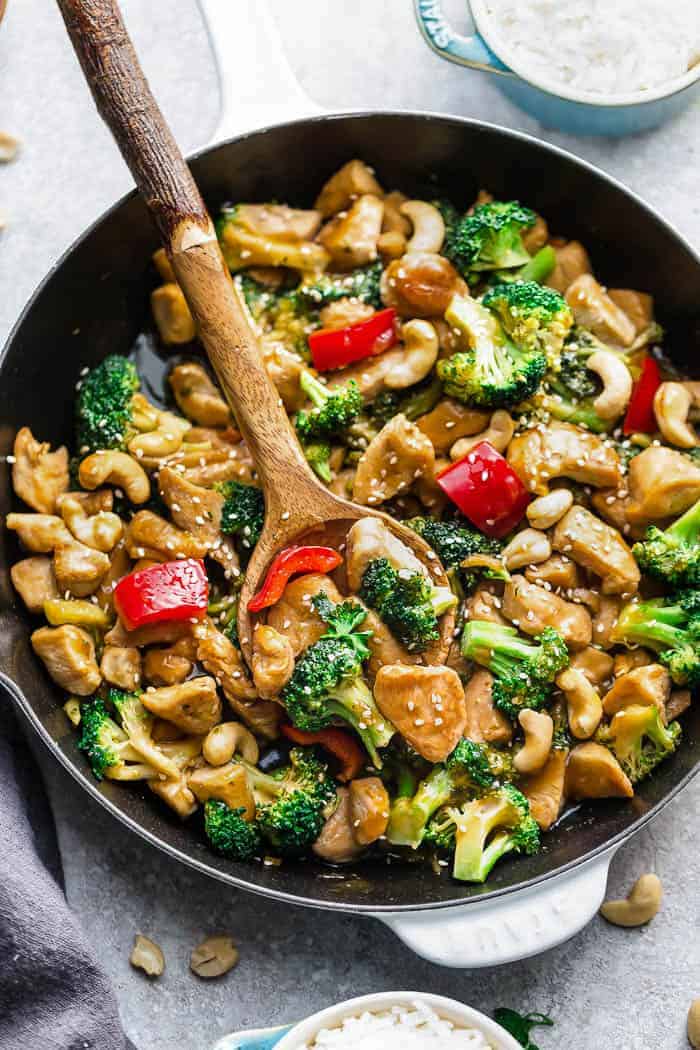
(450, 1009)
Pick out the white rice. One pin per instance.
(401, 1028)
(599, 46)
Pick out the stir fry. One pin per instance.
(466, 372)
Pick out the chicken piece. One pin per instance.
(153, 634)
(594, 309)
(596, 665)
(272, 662)
(221, 658)
(394, 221)
(545, 790)
(193, 706)
(662, 484)
(119, 566)
(172, 315)
(79, 569)
(279, 222)
(605, 620)
(536, 236)
(427, 706)
(344, 312)
(121, 667)
(485, 723)
(383, 647)
(177, 794)
(39, 475)
(638, 306)
(34, 581)
(68, 654)
(195, 509)
(558, 571)
(421, 284)
(532, 608)
(594, 772)
(228, 783)
(150, 536)
(572, 262)
(644, 685)
(337, 843)
(562, 450)
(486, 603)
(449, 421)
(39, 533)
(370, 538)
(369, 809)
(678, 702)
(284, 369)
(631, 658)
(370, 374)
(597, 547)
(351, 237)
(353, 180)
(197, 397)
(398, 455)
(171, 665)
(429, 492)
(294, 615)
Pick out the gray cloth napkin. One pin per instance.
(53, 995)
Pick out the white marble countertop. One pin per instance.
(608, 987)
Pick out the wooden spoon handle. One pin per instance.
(127, 106)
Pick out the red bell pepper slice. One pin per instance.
(342, 745)
(486, 489)
(336, 347)
(288, 562)
(640, 418)
(175, 590)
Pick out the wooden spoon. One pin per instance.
(296, 502)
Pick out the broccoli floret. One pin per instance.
(228, 833)
(669, 626)
(318, 454)
(291, 802)
(524, 670)
(453, 542)
(490, 238)
(535, 318)
(639, 739)
(243, 512)
(408, 603)
(361, 284)
(493, 372)
(334, 410)
(673, 554)
(106, 745)
(104, 405)
(538, 268)
(486, 829)
(327, 682)
(470, 768)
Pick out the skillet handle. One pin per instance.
(508, 929)
(257, 84)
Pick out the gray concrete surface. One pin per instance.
(608, 987)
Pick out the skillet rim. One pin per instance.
(92, 787)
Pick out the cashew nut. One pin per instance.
(640, 906)
(694, 1024)
(102, 530)
(615, 376)
(546, 511)
(539, 732)
(164, 440)
(115, 468)
(420, 350)
(223, 741)
(428, 226)
(529, 547)
(672, 404)
(584, 705)
(498, 433)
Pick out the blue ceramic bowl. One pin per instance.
(578, 113)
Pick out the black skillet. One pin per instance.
(95, 302)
